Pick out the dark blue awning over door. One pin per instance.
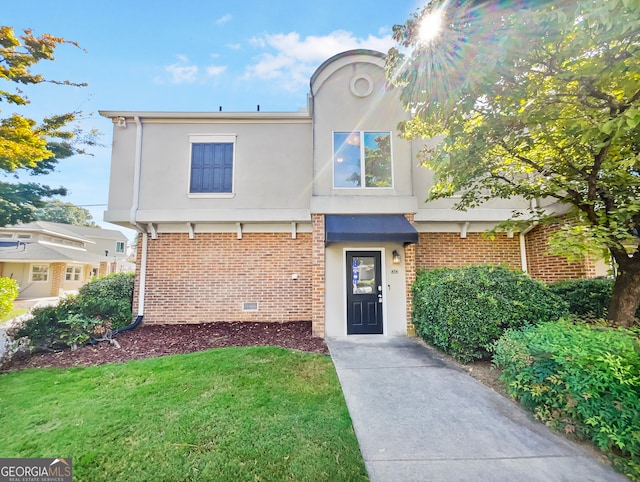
(391, 228)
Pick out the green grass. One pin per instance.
(233, 414)
(13, 313)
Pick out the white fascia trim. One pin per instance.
(230, 117)
(223, 215)
(451, 215)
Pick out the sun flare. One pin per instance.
(431, 26)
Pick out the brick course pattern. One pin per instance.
(438, 250)
(318, 253)
(57, 272)
(410, 277)
(548, 267)
(210, 277)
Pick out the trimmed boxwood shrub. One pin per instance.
(581, 380)
(462, 311)
(586, 297)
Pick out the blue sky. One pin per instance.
(185, 56)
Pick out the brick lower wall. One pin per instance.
(208, 278)
(548, 267)
(318, 276)
(438, 250)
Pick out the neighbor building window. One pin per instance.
(212, 164)
(119, 246)
(73, 273)
(362, 160)
(39, 272)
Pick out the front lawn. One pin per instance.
(259, 413)
(12, 314)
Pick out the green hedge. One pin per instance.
(586, 297)
(108, 298)
(8, 293)
(101, 305)
(462, 311)
(579, 379)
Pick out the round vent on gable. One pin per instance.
(361, 85)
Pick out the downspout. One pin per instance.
(132, 220)
(135, 204)
(523, 246)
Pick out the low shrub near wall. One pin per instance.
(464, 310)
(586, 297)
(108, 298)
(579, 379)
(101, 306)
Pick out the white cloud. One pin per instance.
(186, 72)
(234, 46)
(183, 71)
(215, 70)
(291, 60)
(224, 19)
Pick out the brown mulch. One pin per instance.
(150, 341)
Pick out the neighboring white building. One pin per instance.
(313, 215)
(50, 259)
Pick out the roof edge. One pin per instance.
(347, 53)
(302, 114)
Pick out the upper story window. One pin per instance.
(212, 159)
(362, 160)
(119, 246)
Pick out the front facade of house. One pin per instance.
(311, 215)
(51, 259)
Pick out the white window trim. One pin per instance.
(75, 270)
(124, 247)
(31, 280)
(362, 186)
(212, 139)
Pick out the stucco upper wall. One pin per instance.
(349, 93)
(272, 168)
(123, 150)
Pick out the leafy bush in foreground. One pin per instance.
(464, 310)
(8, 293)
(108, 298)
(101, 305)
(579, 379)
(586, 297)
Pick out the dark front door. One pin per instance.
(364, 292)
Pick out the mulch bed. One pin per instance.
(150, 341)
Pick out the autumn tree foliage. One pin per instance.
(26, 144)
(539, 100)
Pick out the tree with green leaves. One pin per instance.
(57, 211)
(539, 101)
(25, 144)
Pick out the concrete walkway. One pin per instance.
(418, 418)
